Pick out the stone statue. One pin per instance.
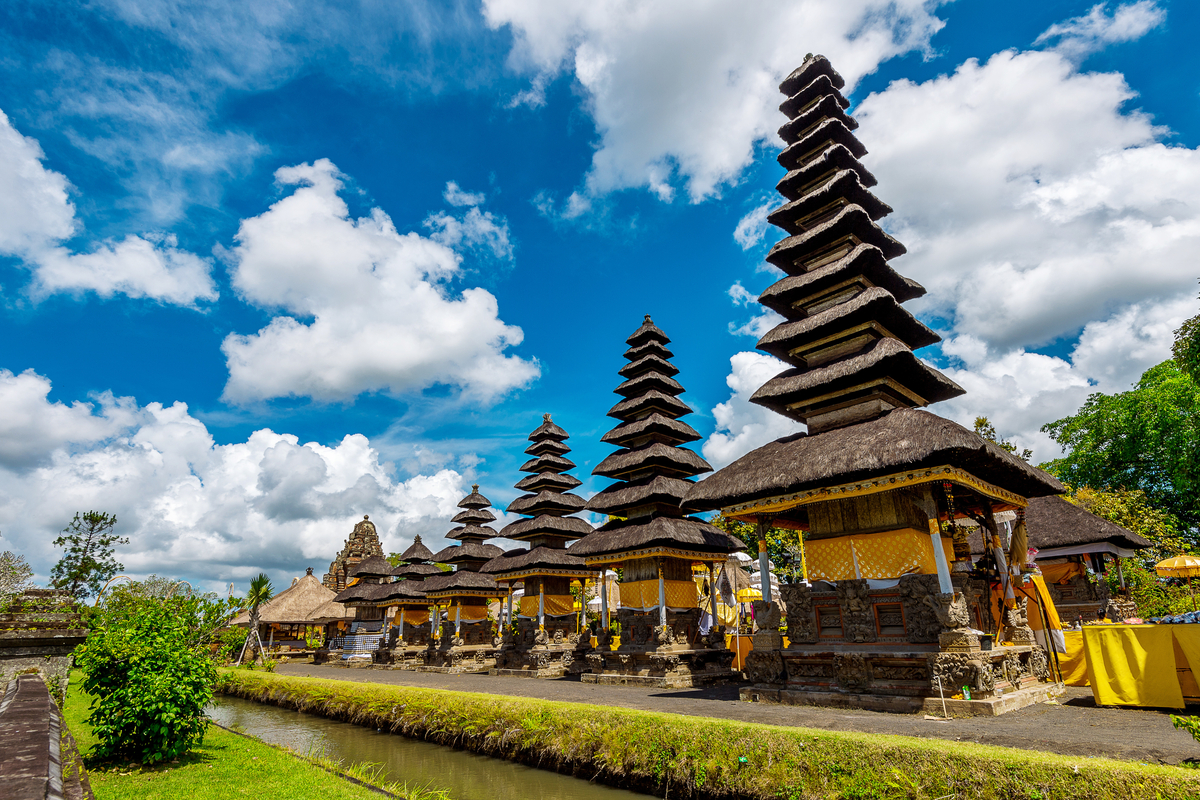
(951, 610)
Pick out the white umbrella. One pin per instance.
(740, 556)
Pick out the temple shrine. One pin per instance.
(363, 542)
(467, 640)
(547, 641)
(648, 538)
(411, 620)
(893, 614)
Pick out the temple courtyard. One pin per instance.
(1074, 726)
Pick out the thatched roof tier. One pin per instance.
(1054, 522)
(799, 182)
(886, 369)
(467, 533)
(474, 516)
(832, 105)
(813, 92)
(416, 572)
(292, 606)
(648, 349)
(675, 461)
(648, 332)
(547, 502)
(620, 497)
(373, 567)
(813, 68)
(467, 551)
(374, 594)
(547, 464)
(329, 611)
(828, 132)
(533, 562)
(836, 237)
(651, 401)
(474, 499)
(810, 210)
(463, 583)
(654, 428)
(417, 552)
(621, 536)
(650, 363)
(903, 440)
(547, 480)
(547, 525)
(548, 447)
(648, 381)
(810, 292)
(548, 430)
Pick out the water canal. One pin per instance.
(465, 776)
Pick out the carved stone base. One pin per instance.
(660, 668)
(768, 640)
(457, 659)
(547, 661)
(958, 642)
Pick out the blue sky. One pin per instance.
(267, 267)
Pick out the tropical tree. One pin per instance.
(88, 562)
(1132, 510)
(1186, 349)
(260, 592)
(784, 545)
(987, 430)
(15, 573)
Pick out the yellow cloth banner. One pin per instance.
(1132, 665)
(726, 615)
(555, 605)
(1061, 573)
(643, 595)
(1073, 662)
(878, 556)
(415, 616)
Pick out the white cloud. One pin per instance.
(383, 316)
(192, 508)
(1081, 36)
(457, 197)
(752, 228)
(681, 92)
(36, 215)
(741, 425)
(758, 325)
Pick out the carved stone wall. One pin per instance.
(362, 543)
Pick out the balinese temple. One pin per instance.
(410, 624)
(362, 543)
(647, 536)
(467, 640)
(548, 642)
(893, 603)
(370, 583)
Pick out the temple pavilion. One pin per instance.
(467, 641)
(648, 538)
(892, 605)
(547, 642)
(370, 583)
(411, 619)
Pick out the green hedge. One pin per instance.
(682, 756)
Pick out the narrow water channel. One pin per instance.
(466, 776)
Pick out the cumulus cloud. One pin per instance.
(752, 228)
(681, 92)
(193, 508)
(741, 425)
(1081, 36)
(383, 316)
(474, 229)
(37, 215)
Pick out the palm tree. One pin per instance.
(260, 592)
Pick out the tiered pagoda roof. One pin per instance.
(854, 379)
(470, 553)
(546, 504)
(416, 564)
(652, 470)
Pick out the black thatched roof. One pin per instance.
(624, 535)
(902, 440)
(656, 427)
(468, 533)
(832, 105)
(416, 572)
(417, 552)
(461, 579)
(474, 499)
(547, 502)
(373, 567)
(648, 332)
(474, 516)
(548, 430)
(649, 363)
(798, 182)
(675, 460)
(467, 551)
(548, 464)
(851, 221)
(619, 496)
(830, 131)
(816, 89)
(547, 524)
(551, 447)
(650, 348)
(650, 401)
(813, 68)
(539, 557)
(865, 261)
(647, 381)
(547, 480)
(1055, 522)
(370, 593)
(843, 189)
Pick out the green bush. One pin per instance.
(148, 667)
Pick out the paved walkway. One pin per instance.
(1076, 727)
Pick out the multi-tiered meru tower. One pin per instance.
(412, 606)
(648, 537)
(548, 641)
(875, 482)
(467, 640)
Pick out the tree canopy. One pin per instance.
(1186, 349)
(1132, 510)
(987, 430)
(88, 563)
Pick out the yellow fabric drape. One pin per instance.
(1073, 662)
(555, 605)
(1061, 573)
(879, 556)
(643, 595)
(1132, 665)
(1038, 598)
(726, 615)
(414, 616)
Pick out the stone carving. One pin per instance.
(567, 658)
(920, 622)
(541, 638)
(714, 639)
(960, 669)
(362, 543)
(1039, 665)
(766, 614)
(809, 669)
(595, 662)
(858, 623)
(497, 641)
(950, 610)
(625, 658)
(664, 663)
(664, 635)
(457, 641)
(542, 659)
(801, 623)
(573, 639)
(558, 637)
(889, 672)
(1016, 624)
(765, 667)
(851, 670)
(603, 637)
(480, 655)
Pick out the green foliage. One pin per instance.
(984, 428)
(1153, 596)
(260, 592)
(1189, 724)
(15, 573)
(1146, 439)
(1186, 350)
(88, 562)
(148, 667)
(1132, 510)
(784, 546)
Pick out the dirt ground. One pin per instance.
(1076, 726)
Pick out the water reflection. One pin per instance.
(466, 776)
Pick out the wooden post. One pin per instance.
(401, 611)
(604, 596)
(435, 619)
(510, 594)
(662, 597)
(712, 593)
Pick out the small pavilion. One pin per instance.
(648, 538)
(286, 617)
(467, 641)
(548, 641)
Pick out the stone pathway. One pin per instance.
(1075, 727)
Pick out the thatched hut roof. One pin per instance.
(373, 567)
(660, 489)
(648, 363)
(828, 106)
(646, 381)
(547, 480)
(548, 430)
(547, 463)
(474, 499)
(547, 502)
(468, 533)
(622, 535)
(648, 332)
(417, 551)
(467, 551)
(1055, 522)
(523, 560)
(552, 447)
(792, 185)
(416, 571)
(651, 348)
(902, 440)
(832, 131)
(330, 611)
(568, 527)
(293, 606)
(474, 516)
(817, 88)
(814, 68)
(864, 260)
(661, 428)
(461, 579)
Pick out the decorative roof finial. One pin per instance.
(365, 516)
(545, 417)
(417, 539)
(308, 571)
(648, 320)
(474, 487)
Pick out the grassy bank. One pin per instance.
(226, 765)
(697, 757)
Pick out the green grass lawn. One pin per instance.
(226, 765)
